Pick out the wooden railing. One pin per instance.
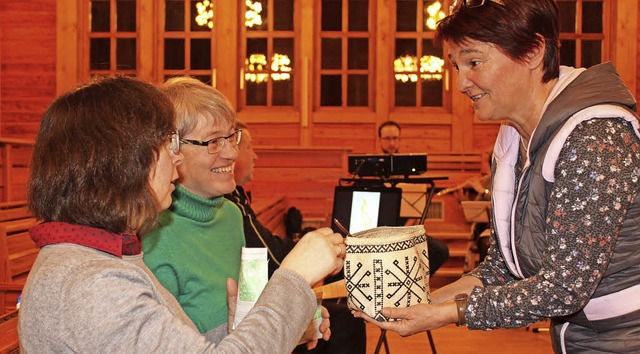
(15, 156)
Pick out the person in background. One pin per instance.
(565, 181)
(102, 168)
(348, 334)
(198, 242)
(389, 133)
(255, 234)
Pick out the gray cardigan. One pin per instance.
(81, 300)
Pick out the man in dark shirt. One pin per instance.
(348, 334)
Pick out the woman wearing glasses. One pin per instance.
(199, 239)
(103, 167)
(565, 181)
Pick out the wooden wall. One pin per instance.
(28, 84)
(27, 64)
(28, 74)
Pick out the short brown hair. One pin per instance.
(388, 123)
(516, 27)
(93, 154)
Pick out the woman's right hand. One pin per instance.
(318, 254)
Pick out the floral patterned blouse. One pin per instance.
(596, 179)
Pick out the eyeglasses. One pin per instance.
(216, 144)
(174, 142)
(457, 4)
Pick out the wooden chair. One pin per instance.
(17, 254)
(9, 341)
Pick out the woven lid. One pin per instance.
(385, 234)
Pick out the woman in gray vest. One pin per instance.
(565, 239)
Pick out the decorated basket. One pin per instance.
(386, 267)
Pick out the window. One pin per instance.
(112, 38)
(346, 54)
(583, 35)
(188, 43)
(420, 77)
(269, 59)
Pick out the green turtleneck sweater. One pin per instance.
(195, 248)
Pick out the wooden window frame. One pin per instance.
(357, 114)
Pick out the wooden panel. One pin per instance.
(28, 41)
(9, 328)
(272, 134)
(357, 137)
(307, 176)
(20, 242)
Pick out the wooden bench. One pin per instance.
(17, 254)
(17, 251)
(9, 341)
(271, 212)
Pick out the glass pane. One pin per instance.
(567, 15)
(406, 47)
(431, 67)
(200, 54)
(173, 53)
(99, 49)
(200, 16)
(283, 51)
(591, 53)
(405, 93)
(126, 53)
(283, 92)
(330, 90)
(358, 15)
(433, 12)
(431, 91)
(357, 90)
(174, 15)
(331, 15)
(256, 69)
(257, 46)
(126, 15)
(592, 17)
(331, 53)
(256, 15)
(256, 93)
(406, 15)
(358, 53)
(568, 52)
(204, 78)
(405, 67)
(100, 16)
(283, 15)
(429, 48)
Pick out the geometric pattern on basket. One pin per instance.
(402, 284)
(396, 246)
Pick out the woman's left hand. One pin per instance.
(414, 319)
(324, 329)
